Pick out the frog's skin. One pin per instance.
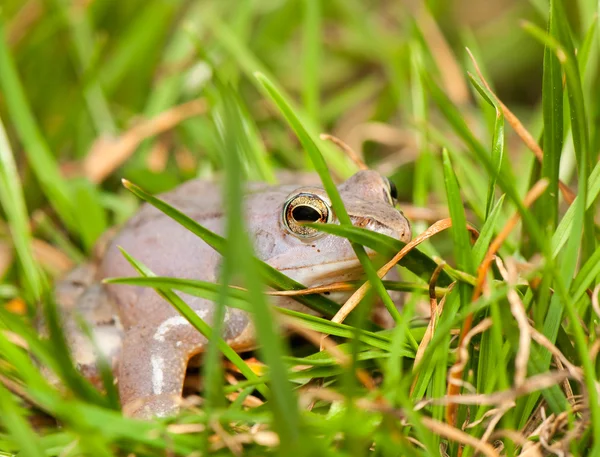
(149, 343)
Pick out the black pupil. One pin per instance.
(393, 190)
(306, 214)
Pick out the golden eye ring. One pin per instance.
(304, 208)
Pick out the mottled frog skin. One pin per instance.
(147, 341)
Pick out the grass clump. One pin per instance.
(494, 152)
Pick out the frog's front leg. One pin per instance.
(154, 360)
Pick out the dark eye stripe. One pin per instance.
(393, 189)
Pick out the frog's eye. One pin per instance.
(393, 190)
(305, 208)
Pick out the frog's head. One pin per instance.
(313, 257)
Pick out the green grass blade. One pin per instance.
(416, 261)
(273, 277)
(586, 276)
(15, 422)
(566, 55)
(35, 146)
(239, 252)
(565, 227)
(487, 232)
(182, 307)
(497, 141)
(137, 43)
(462, 244)
(336, 201)
(82, 38)
(552, 105)
(251, 65)
(240, 299)
(90, 215)
(311, 58)
(13, 203)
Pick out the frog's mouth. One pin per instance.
(328, 272)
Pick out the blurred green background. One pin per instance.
(92, 70)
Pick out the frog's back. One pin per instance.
(166, 248)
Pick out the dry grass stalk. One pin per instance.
(18, 390)
(463, 354)
(528, 448)
(453, 80)
(518, 311)
(334, 287)
(441, 428)
(23, 21)
(533, 194)
(51, 257)
(531, 384)
(496, 417)
(574, 371)
(431, 214)
(435, 312)
(265, 438)
(355, 299)
(522, 132)
(107, 154)
(233, 443)
(595, 304)
(351, 153)
(184, 429)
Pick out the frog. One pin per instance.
(147, 342)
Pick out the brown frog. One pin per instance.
(146, 339)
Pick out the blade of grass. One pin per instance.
(487, 232)
(497, 142)
(38, 153)
(273, 277)
(416, 261)
(182, 307)
(14, 420)
(13, 202)
(336, 201)
(240, 299)
(464, 261)
(82, 39)
(462, 244)
(311, 58)
(137, 42)
(565, 227)
(90, 215)
(586, 276)
(230, 124)
(552, 106)
(565, 53)
(282, 400)
(251, 65)
(583, 219)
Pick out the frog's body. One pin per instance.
(149, 341)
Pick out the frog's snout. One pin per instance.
(395, 226)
